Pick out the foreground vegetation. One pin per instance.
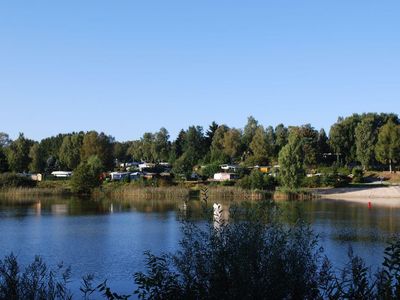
(254, 256)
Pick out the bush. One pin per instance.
(84, 179)
(209, 170)
(244, 260)
(12, 180)
(35, 282)
(358, 174)
(257, 181)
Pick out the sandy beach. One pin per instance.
(375, 195)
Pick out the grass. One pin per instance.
(18, 192)
(236, 193)
(294, 194)
(125, 191)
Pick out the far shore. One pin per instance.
(389, 195)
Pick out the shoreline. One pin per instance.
(387, 196)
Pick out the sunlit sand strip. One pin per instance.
(387, 196)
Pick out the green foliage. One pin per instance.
(4, 139)
(217, 145)
(86, 176)
(70, 151)
(309, 144)
(37, 281)
(257, 181)
(3, 161)
(249, 130)
(242, 260)
(38, 163)
(10, 180)
(291, 170)
(260, 148)
(99, 145)
(232, 143)
(209, 170)
(18, 154)
(387, 149)
(358, 174)
(183, 167)
(365, 134)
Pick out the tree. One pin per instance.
(161, 146)
(217, 145)
(342, 137)
(3, 161)
(70, 151)
(309, 142)
(291, 162)
(38, 163)
(18, 154)
(4, 139)
(100, 145)
(365, 142)
(281, 138)
(51, 146)
(259, 147)
(147, 142)
(387, 149)
(232, 143)
(177, 146)
(86, 176)
(194, 144)
(322, 145)
(210, 134)
(249, 130)
(121, 151)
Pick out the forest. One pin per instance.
(368, 141)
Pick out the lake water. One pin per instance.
(108, 238)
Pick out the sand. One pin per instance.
(388, 196)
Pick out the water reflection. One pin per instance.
(108, 236)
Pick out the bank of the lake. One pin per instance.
(383, 194)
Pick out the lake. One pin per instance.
(108, 237)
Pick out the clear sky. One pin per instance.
(126, 67)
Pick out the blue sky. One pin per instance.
(126, 67)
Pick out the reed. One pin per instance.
(134, 192)
(294, 194)
(236, 193)
(18, 192)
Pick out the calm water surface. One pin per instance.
(108, 238)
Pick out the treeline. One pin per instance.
(370, 140)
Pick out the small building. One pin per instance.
(37, 177)
(225, 176)
(135, 175)
(228, 167)
(145, 165)
(61, 174)
(119, 175)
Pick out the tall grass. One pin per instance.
(294, 194)
(236, 193)
(139, 193)
(18, 192)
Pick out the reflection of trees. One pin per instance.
(345, 220)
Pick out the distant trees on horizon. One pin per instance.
(369, 140)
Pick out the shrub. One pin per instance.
(84, 179)
(257, 181)
(35, 282)
(358, 174)
(11, 180)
